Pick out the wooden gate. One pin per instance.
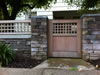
(64, 38)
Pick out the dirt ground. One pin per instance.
(23, 63)
(95, 62)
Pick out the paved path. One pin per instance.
(55, 67)
(68, 64)
(46, 72)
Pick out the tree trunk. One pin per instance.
(5, 13)
(4, 9)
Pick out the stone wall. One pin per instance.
(39, 37)
(34, 46)
(21, 46)
(91, 36)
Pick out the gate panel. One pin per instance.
(61, 43)
(64, 38)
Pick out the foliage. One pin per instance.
(10, 8)
(85, 4)
(6, 54)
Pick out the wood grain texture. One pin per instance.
(65, 45)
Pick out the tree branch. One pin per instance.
(27, 5)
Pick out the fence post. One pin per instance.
(91, 36)
(39, 37)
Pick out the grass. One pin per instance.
(73, 69)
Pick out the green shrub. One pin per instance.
(6, 54)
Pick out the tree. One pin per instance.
(10, 8)
(85, 4)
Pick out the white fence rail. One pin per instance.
(15, 27)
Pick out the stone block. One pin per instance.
(34, 23)
(35, 30)
(98, 36)
(33, 20)
(91, 46)
(35, 34)
(37, 57)
(87, 46)
(95, 32)
(91, 37)
(44, 53)
(97, 18)
(33, 53)
(98, 23)
(92, 26)
(26, 51)
(41, 53)
(39, 23)
(34, 49)
(43, 23)
(15, 49)
(41, 49)
(43, 46)
(36, 27)
(26, 55)
(28, 42)
(86, 42)
(35, 37)
(34, 42)
(35, 45)
(85, 56)
(28, 47)
(96, 46)
(38, 20)
(90, 19)
(85, 32)
(45, 49)
(97, 51)
(95, 41)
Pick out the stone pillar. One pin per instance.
(91, 36)
(39, 37)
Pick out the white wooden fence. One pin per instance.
(15, 27)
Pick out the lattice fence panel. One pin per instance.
(16, 27)
(65, 28)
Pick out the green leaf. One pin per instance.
(6, 54)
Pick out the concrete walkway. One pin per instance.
(68, 64)
(55, 67)
(47, 72)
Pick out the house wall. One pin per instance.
(91, 36)
(60, 5)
